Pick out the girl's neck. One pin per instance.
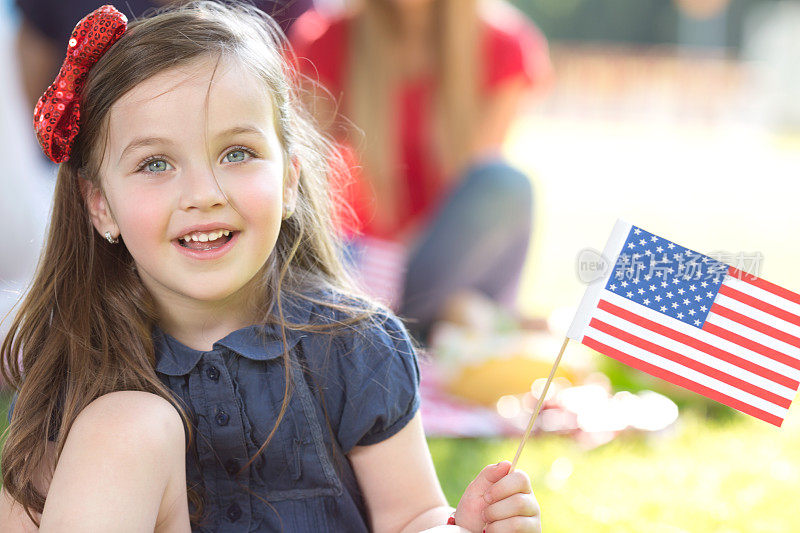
(199, 326)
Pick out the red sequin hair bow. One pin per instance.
(56, 117)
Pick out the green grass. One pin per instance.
(721, 476)
(736, 475)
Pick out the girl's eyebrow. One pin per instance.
(247, 128)
(140, 142)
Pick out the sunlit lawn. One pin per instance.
(736, 476)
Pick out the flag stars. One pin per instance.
(653, 271)
(613, 286)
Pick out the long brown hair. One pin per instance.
(372, 79)
(84, 329)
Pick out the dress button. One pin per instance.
(212, 373)
(222, 418)
(234, 512)
(232, 466)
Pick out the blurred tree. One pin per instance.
(643, 21)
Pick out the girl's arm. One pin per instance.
(12, 515)
(402, 492)
(399, 483)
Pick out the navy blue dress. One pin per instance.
(367, 380)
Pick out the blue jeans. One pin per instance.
(477, 241)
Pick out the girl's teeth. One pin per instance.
(205, 237)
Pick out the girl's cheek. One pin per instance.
(144, 212)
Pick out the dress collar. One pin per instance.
(260, 342)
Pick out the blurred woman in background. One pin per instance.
(441, 221)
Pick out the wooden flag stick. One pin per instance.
(542, 396)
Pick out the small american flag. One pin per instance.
(694, 321)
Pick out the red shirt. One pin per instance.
(512, 49)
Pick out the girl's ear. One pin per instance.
(290, 185)
(97, 205)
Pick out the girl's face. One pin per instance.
(193, 181)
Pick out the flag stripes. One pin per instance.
(761, 382)
(756, 325)
(692, 363)
(679, 380)
(710, 344)
(729, 292)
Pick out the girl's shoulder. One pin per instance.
(354, 320)
(355, 337)
(366, 369)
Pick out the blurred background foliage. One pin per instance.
(711, 23)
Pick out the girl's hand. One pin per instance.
(499, 501)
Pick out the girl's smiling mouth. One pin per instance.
(206, 244)
(205, 241)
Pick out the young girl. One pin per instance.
(190, 282)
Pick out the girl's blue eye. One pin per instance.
(235, 156)
(157, 165)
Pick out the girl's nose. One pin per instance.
(201, 189)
